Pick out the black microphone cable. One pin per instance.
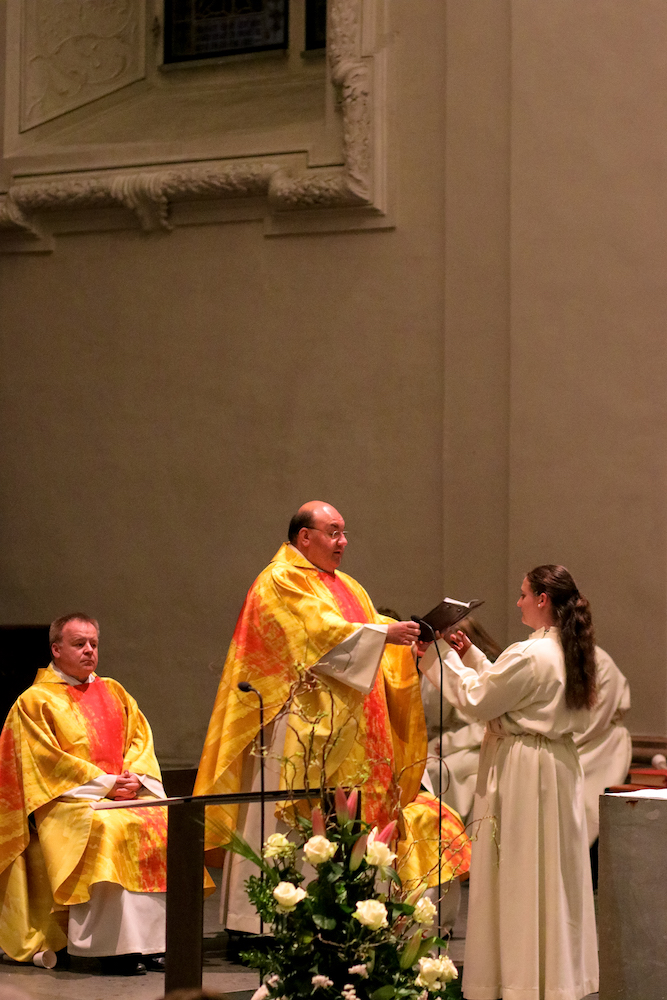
(424, 624)
(247, 688)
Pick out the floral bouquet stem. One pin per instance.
(337, 936)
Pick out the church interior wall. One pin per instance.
(588, 306)
(478, 389)
(477, 300)
(170, 399)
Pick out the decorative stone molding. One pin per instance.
(13, 220)
(325, 189)
(19, 233)
(290, 187)
(146, 193)
(75, 51)
(351, 75)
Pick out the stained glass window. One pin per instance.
(316, 24)
(202, 29)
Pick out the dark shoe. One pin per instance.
(238, 942)
(62, 960)
(154, 963)
(122, 965)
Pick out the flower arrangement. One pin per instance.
(338, 936)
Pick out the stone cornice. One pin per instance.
(288, 187)
(13, 220)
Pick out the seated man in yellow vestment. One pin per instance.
(94, 880)
(341, 699)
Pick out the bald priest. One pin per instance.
(342, 703)
(70, 875)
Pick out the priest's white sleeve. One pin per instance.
(356, 660)
(99, 787)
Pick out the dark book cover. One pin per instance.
(444, 616)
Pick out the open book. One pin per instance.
(444, 616)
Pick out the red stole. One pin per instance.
(104, 720)
(378, 743)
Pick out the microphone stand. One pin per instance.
(246, 687)
(420, 621)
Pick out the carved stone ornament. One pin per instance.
(287, 184)
(75, 51)
(13, 219)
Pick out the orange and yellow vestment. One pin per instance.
(293, 616)
(58, 737)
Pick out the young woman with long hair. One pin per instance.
(531, 923)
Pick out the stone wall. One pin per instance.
(472, 371)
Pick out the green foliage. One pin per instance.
(320, 936)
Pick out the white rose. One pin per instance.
(321, 982)
(449, 971)
(287, 896)
(278, 846)
(377, 852)
(435, 972)
(318, 850)
(371, 913)
(425, 911)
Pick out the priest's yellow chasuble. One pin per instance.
(421, 843)
(334, 735)
(57, 737)
(293, 615)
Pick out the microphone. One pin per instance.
(420, 621)
(247, 688)
(424, 624)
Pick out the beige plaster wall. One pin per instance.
(588, 307)
(555, 353)
(479, 390)
(166, 402)
(477, 297)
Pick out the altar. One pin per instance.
(632, 895)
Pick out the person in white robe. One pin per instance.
(455, 737)
(458, 744)
(605, 748)
(531, 922)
